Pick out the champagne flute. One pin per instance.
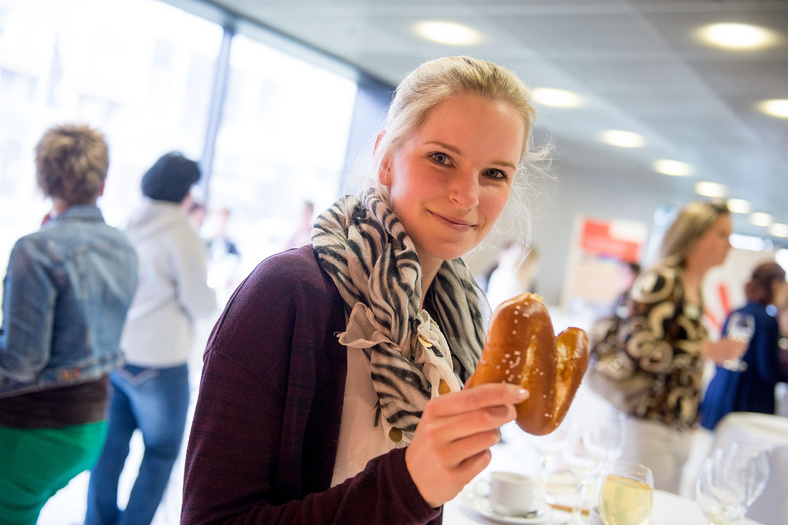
(581, 462)
(757, 459)
(741, 326)
(627, 494)
(592, 443)
(548, 447)
(722, 489)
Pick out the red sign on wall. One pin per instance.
(604, 238)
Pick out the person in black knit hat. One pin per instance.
(152, 391)
(170, 178)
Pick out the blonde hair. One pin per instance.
(438, 80)
(695, 219)
(72, 163)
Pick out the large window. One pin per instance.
(143, 72)
(281, 142)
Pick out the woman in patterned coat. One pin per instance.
(332, 385)
(665, 344)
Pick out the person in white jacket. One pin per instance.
(151, 392)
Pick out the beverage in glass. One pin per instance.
(627, 494)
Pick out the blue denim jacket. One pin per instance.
(66, 294)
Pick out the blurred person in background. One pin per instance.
(303, 228)
(752, 389)
(515, 273)
(151, 392)
(782, 322)
(65, 297)
(655, 377)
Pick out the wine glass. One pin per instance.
(549, 447)
(722, 489)
(627, 494)
(741, 326)
(757, 459)
(608, 436)
(590, 444)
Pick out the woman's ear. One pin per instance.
(377, 140)
(384, 170)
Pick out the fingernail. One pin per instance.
(523, 393)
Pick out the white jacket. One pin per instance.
(172, 288)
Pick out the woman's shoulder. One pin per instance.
(295, 273)
(655, 284)
(283, 290)
(761, 312)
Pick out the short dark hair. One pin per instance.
(759, 288)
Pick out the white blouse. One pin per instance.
(359, 439)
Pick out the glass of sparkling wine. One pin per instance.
(627, 494)
(741, 327)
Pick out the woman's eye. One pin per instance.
(440, 158)
(496, 175)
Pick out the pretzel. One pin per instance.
(522, 349)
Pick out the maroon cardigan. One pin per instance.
(266, 427)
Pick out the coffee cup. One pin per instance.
(511, 494)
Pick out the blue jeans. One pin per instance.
(156, 401)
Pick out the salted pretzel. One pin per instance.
(522, 349)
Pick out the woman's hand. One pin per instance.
(724, 350)
(452, 442)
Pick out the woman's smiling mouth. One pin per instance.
(457, 224)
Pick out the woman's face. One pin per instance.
(450, 181)
(780, 293)
(712, 247)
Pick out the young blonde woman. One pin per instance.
(332, 383)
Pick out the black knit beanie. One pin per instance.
(170, 178)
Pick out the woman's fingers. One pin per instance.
(473, 410)
(470, 399)
(452, 442)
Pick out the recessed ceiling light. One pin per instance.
(710, 189)
(739, 206)
(623, 139)
(779, 230)
(559, 98)
(747, 242)
(776, 107)
(737, 36)
(447, 33)
(673, 167)
(761, 219)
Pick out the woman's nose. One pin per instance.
(465, 189)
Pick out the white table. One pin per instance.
(770, 432)
(669, 509)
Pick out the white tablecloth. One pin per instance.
(669, 509)
(770, 432)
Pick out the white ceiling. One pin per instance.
(635, 61)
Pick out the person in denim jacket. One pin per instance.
(66, 294)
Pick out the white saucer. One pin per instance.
(478, 503)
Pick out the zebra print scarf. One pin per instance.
(374, 265)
